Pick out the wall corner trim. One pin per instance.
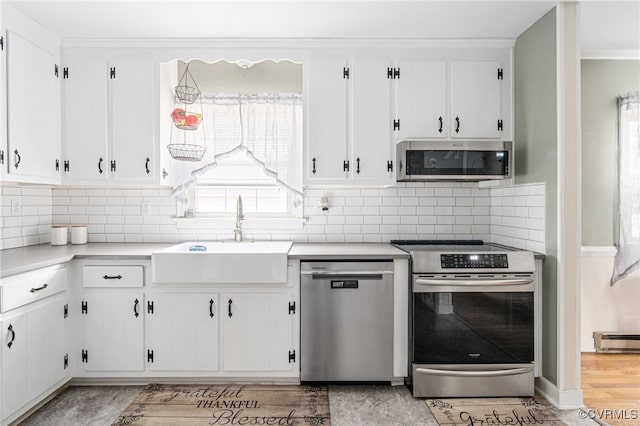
(564, 400)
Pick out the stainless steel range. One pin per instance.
(472, 319)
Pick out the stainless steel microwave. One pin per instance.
(453, 160)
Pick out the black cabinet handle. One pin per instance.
(230, 302)
(441, 123)
(211, 308)
(112, 277)
(1, 156)
(457, 124)
(100, 160)
(13, 336)
(18, 159)
(113, 165)
(358, 165)
(135, 308)
(313, 160)
(146, 165)
(33, 290)
(345, 166)
(164, 173)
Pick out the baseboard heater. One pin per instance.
(617, 342)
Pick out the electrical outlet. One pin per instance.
(146, 208)
(16, 207)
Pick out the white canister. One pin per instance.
(78, 234)
(59, 235)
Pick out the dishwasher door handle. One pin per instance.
(347, 275)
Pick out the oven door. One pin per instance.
(473, 320)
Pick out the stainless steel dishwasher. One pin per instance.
(346, 321)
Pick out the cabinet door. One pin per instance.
(85, 120)
(3, 97)
(475, 99)
(183, 332)
(113, 334)
(131, 110)
(258, 332)
(422, 99)
(33, 109)
(14, 364)
(46, 340)
(372, 122)
(327, 148)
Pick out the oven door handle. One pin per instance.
(466, 283)
(490, 373)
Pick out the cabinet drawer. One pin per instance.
(21, 289)
(113, 276)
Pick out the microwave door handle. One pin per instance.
(467, 283)
(490, 373)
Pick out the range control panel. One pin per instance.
(472, 261)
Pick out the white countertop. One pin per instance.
(327, 251)
(15, 261)
(23, 259)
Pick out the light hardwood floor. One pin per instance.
(611, 387)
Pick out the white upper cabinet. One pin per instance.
(421, 99)
(108, 120)
(131, 110)
(85, 119)
(33, 113)
(327, 149)
(371, 113)
(475, 99)
(349, 122)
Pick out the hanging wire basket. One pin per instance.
(186, 152)
(187, 91)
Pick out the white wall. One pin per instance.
(604, 307)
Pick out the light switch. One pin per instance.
(146, 208)
(16, 207)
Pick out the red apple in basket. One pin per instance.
(192, 120)
(178, 115)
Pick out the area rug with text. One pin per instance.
(492, 412)
(232, 404)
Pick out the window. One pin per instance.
(628, 256)
(253, 141)
(216, 191)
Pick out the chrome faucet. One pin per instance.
(237, 232)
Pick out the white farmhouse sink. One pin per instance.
(245, 262)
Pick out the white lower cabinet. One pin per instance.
(258, 332)
(34, 354)
(113, 333)
(183, 331)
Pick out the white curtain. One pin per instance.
(628, 257)
(266, 127)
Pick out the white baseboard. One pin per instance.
(587, 345)
(564, 400)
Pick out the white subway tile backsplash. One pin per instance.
(408, 210)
